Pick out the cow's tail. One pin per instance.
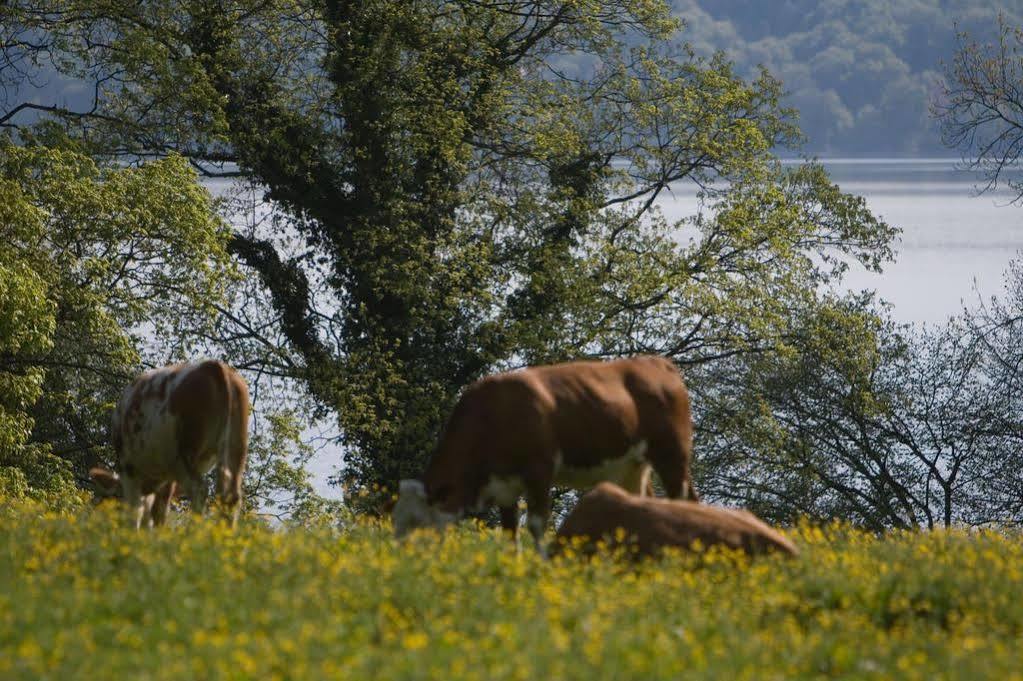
(235, 444)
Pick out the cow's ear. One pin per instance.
(107, 482)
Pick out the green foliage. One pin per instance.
(860, 73)
(278, 484)
(203, 602)
(22, 296)
(27, 328)
(465, 186)
(105, 258)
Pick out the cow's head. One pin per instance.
(413, 510)
(106, 484)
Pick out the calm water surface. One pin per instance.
(954, 244)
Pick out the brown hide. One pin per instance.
(534, 426)
(650, 524)
(173, 425)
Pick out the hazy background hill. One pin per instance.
(861, 72)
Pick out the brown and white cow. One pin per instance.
(649, 524)
(575, 424)
(173, 425)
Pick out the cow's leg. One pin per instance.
(537, 480)
(229, 488)
(538, 501)
(229, 492)
(161, 499)
(688, 487)
(510, 520)
(672, 457)
(670, 471)
(648, 488)
(148, 501)
(195, 488)
(134, 500)
(637, 481)
(690, 490)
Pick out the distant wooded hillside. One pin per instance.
(861, 72)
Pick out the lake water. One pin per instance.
(954, 244)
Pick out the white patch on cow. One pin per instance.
(500, 491)
(412, 510)
(629, 470)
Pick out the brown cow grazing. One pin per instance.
(650, 524)
(173, 425)
(575, 424)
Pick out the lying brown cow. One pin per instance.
(173, 425)
(575, 424)
(650, 524)
(155, 498)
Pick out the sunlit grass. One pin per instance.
(81, 597)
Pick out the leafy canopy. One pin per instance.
(103, 265)
(463, 186)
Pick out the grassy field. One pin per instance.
(82, 598)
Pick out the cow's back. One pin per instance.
(587, 411)
(604, 408)
(656, 523)
(172, 421)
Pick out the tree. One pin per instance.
(980, 108)
(865, 422)
(462, 186)
(102, 259)
(981, 113)
(997, 327)
(26, 330)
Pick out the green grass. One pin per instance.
(80, 597)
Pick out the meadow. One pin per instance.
(83, 597)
